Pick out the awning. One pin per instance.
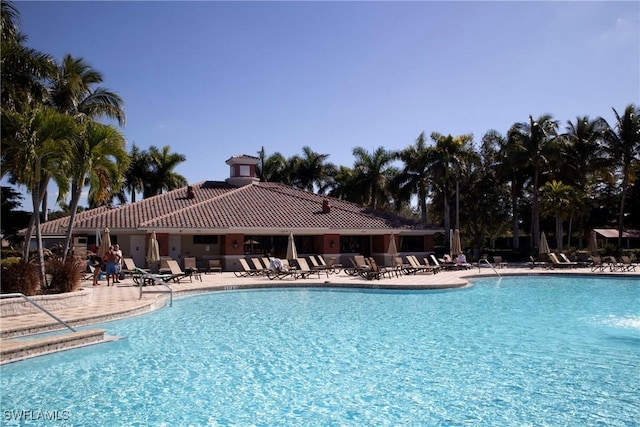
(610, 233)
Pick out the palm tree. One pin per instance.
(274, 168)
(446, 160)
(34, 150)
(99, 157)
(74, 92)
(556, 199)
(373, 172)
(413, 179)
(347, 186)
(24, 70)
(310, 170)
(162, 163)
(622, 144)
(535, 140)
(137, 173)
(584, 148)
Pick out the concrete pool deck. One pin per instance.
(125, 300)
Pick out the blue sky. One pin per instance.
(215, 79)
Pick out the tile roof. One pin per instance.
(218, 206)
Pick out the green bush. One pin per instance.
(65, 276)
(19, 275)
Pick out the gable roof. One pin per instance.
(217, 207)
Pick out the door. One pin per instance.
(137, 250)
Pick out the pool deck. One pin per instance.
(125, 299)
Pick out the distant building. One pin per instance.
(241, 216)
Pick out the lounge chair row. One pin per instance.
(276, 268)
(173, 274)
(367, 267)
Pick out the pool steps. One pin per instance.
(15, 350)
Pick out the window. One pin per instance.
(207, 239)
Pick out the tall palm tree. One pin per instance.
(535, 139)
(556, 199)
(348, 186)
(310, 170)
(137, 173)
(163, 162)
(622, 144)
(98, 156)
(584, 149)
(35, 149)
(446, 160)
(74, 92)
(374, 172)
(413, 179)
(24, 70)
(274, 168)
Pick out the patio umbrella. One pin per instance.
(544, 246)
(153, 250)
(105, 243)
(392, 250)
(292, 252)
(456, 247)
(593, 243)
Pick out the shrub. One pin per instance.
(65, 275)
(19, 275)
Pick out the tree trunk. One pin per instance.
(621, 214)
(515, 226)
(535, 216)
(559, 233)
(75, 200)
(447, 220)
(36, 213)
(32, 221)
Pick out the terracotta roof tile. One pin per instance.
(218, 205)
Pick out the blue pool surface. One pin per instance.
(517, 351)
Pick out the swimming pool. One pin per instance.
(519, 351)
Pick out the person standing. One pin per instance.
(117, 255)
(97, 264)
(109, 259)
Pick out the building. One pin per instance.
(241, 216)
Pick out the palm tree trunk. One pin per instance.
(75, 200)
(515, 218)
(447, 220)
(423, 206)
(559, 233)
(32, 221)
(36, 213)
(621, 214)
(535, 215)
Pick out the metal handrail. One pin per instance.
(490, 265)
(41, 308)
(157, 281)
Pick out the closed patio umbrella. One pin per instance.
(392, 250)
(292, 252)
(105, 243)
(456, 246)
(153, 252)
(544, 246)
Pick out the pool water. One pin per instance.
(515, 351)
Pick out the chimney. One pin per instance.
(326, 207)
(190, 193)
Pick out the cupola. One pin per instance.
(242, 170)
